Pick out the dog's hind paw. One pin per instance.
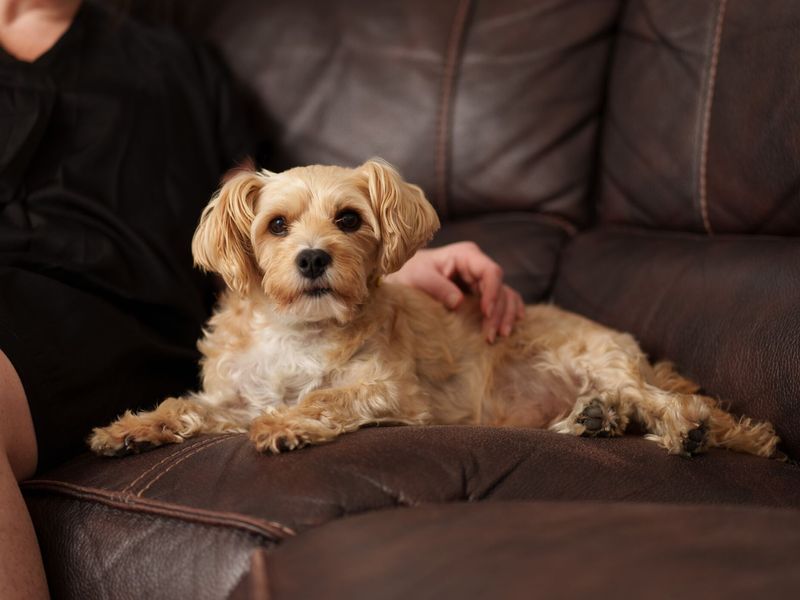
(592, 417)
(598, 420)
(695, 440)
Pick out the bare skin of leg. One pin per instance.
(21, 569)
(28, 28)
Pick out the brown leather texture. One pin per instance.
(488, 106)
(184, 514)
(526, 106)
(724, 309)
(98, 546)
(529, 550)
(638, 161)
(702, 124)
(526, 244)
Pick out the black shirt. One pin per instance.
(111, 143)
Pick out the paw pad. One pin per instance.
(591, 418)
(130, 445)
(695, 440)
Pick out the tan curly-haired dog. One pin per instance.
(306, 343)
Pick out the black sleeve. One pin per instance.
(236, 134)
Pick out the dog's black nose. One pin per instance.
(312, 263)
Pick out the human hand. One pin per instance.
(434, 270)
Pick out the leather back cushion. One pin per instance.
(488, 105)
(702, 127)
(723, 308)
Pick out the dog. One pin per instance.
(307, 343)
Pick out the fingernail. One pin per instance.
(452, 300)
(505, 331)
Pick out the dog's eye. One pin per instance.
(348, 221)
(278, 226)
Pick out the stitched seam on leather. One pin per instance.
(445, 105)
(198, 448)
(556, 221)
(709, 102)
(128, 502)
(166, 459)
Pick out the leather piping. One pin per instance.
(452, 57)
(271, 530)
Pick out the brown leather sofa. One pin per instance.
(638, 162)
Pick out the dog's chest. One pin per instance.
(282, 366)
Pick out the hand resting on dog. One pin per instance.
(307, 343)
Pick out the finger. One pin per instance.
(482, 275)
(487, 275)
(491, 286)
(440, 288)
(511, 312)
(491, 324)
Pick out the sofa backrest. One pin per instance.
(488, 105)
(696, 252)
(496, 105)
(702, 127)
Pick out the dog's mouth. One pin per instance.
(318, 292)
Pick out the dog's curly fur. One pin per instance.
(299, 359)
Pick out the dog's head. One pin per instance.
(314, 240)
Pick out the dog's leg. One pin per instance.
(174, 420)
(595, 414)
(324, 414)
(604, 404)
(744, 435)
(685, 422)
(689, 424)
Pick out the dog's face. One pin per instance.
(313, 240)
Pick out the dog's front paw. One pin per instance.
(277, 438)
(171, 422)
(277, 433)
(123, 437)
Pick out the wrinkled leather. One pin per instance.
(724, 309)
(701, 95)
(526, 108)
(384, 467)
(187, 517)
(494, 109)
(488, 106)
(94, 547)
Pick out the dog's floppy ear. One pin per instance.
(221, 243)
(405, 217)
